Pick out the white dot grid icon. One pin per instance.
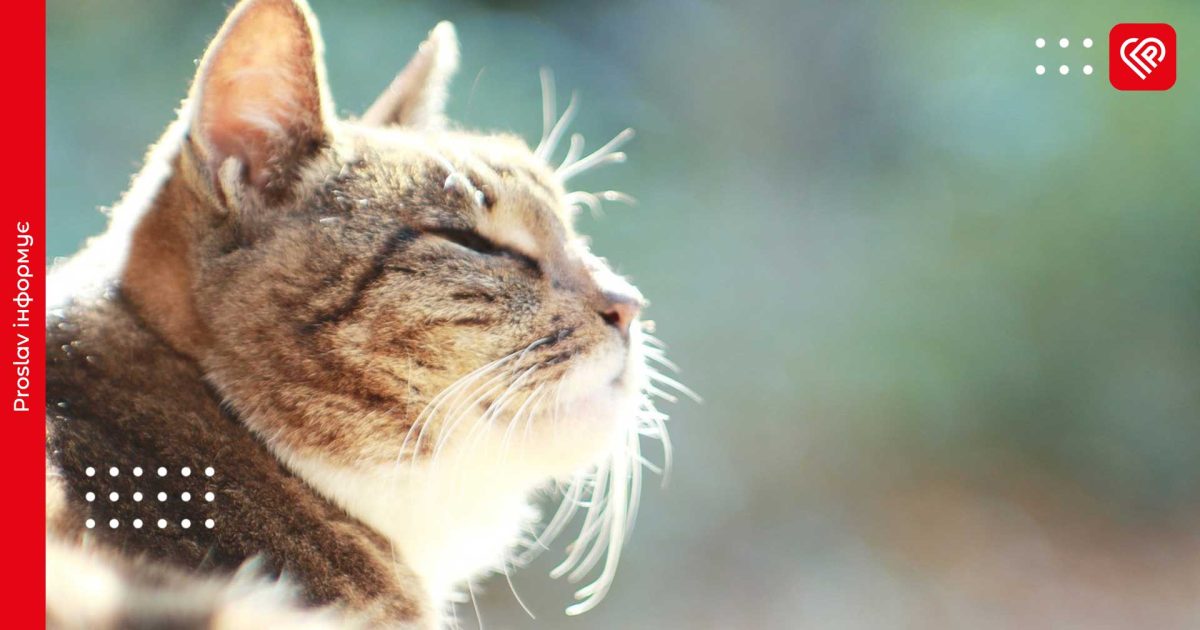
(1064, 69)
(137, 471)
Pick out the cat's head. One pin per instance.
(387, 290)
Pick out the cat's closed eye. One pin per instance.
(480, 244)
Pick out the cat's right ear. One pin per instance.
(259, 103)
(417, 96)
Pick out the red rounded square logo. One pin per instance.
(1141, 57)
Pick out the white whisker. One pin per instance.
(519, 413)
(508, 578)
(604, 155)
(654, 391)
(579, 546)
(586, 198)
(549, 107)
(574, 150)
(547, 149)
(618, 196)
(676, 385)
(475, 603)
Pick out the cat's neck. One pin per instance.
(450, 523)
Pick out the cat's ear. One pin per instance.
(417, 96)
(260, 97)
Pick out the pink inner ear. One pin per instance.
(260, 97)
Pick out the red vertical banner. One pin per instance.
(23, 238)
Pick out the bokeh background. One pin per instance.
(944, 312)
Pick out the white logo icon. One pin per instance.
(1146, 55)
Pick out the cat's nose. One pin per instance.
(620, 309)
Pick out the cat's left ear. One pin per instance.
(260, 102)
(417, 96)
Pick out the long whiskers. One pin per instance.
(613, 492)
(609, 494)
(465, 385)
(554, 127)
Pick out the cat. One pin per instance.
(340, 354)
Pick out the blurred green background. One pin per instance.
(945, 313)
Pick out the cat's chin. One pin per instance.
(598, 406)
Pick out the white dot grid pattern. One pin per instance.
(1063, 42)
(137, 471)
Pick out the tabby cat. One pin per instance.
(315, 369)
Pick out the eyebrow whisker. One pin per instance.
(607, 154)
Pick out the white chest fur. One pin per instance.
(448, 523)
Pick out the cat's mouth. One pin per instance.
(612, 373)
(629, 376)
